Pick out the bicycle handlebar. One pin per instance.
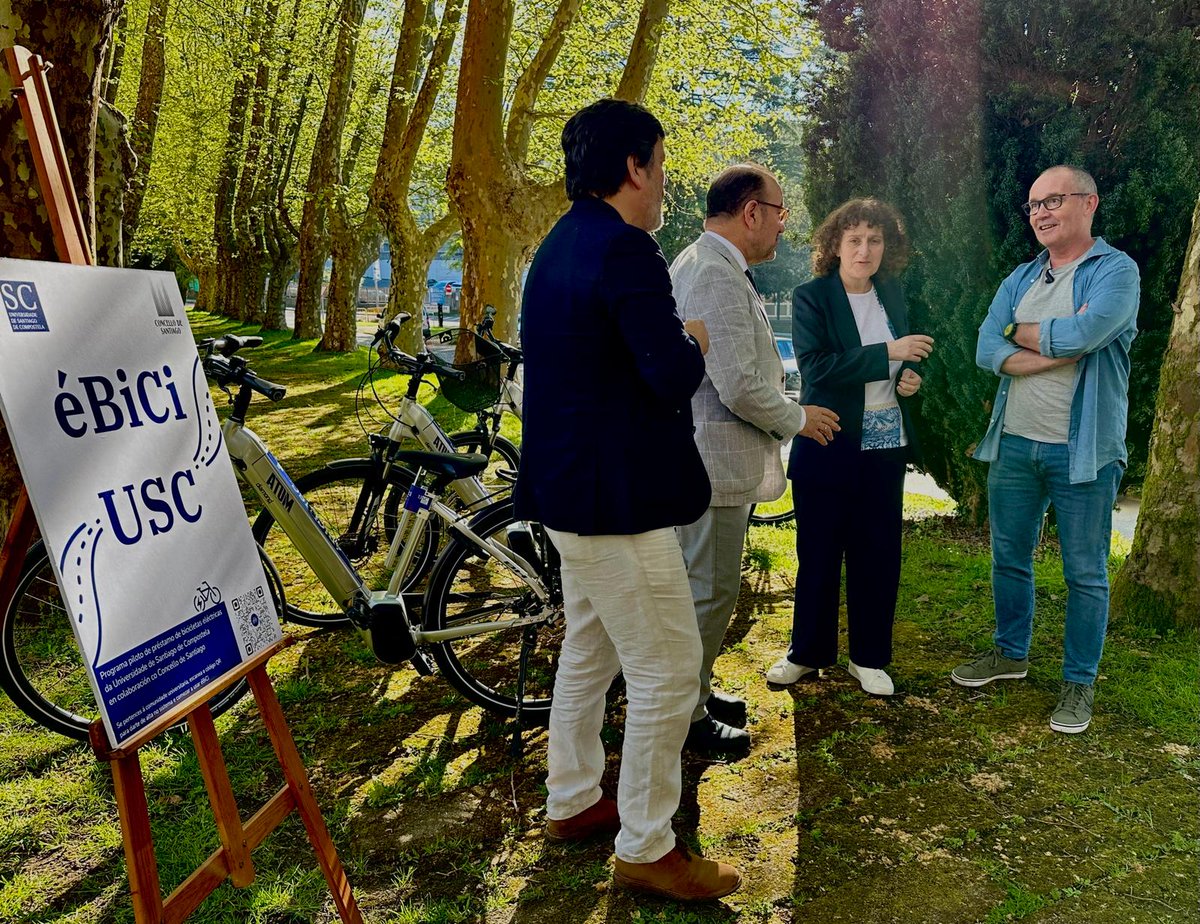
(484, 329)
(229, 344)
(414, 365)
(230, 370)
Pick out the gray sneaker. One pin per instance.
(992, 666)
(1073, 713)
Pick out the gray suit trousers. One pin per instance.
(712, 549)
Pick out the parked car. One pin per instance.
(791, 371)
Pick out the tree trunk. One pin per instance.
(504, 213)
(492, 264)
(354, 249)
(412, 252)
(228, 295)
(206, 297)
(486, 183)
(354, 245)
(254, 271)
(274, 310)
(1159, 585)
(324, 171)
(248, 206)
(74, 37)
(145, 114)
(282, 249)
(410, 105)
(278, 234)
(114, 165)
(115, 58)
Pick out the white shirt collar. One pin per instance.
(738, 256)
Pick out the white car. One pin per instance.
(791, 371)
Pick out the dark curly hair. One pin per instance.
(597, 142)
(827, 239)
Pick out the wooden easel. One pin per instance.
(232, 859)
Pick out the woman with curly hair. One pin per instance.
(855, 353)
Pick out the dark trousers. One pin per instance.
(849, 505)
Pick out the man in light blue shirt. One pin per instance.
(1058, 334)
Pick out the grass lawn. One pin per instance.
(939, 805)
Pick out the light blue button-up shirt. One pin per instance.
(1107, 281)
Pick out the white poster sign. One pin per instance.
(121, 451)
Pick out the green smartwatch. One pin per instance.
(1010, 332)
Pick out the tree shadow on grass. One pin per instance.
(756, 599)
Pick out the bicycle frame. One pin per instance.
(267, 477)
(512, 397)
(419, 504)
(413, 421)
(263, 472)
(512, 394)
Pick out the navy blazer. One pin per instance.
(607, 443)
(835, 366)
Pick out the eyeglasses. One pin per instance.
(1050, 203)
(784, 211)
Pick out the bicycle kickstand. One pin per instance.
(528, 642)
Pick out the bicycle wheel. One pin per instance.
(469, 587)
(503, 458)
(334, 493)
(41, 667)
(774, 513)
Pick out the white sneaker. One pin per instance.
(874, 681)
(783, 672)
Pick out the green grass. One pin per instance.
(940, 804)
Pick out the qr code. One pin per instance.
(256, 626)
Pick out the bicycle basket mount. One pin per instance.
(479, 387)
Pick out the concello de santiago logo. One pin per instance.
(164, 307)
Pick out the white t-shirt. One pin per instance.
(883, 427)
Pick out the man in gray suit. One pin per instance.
(741, 418)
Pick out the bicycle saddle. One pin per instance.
(451, 465)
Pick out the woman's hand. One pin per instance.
(910, 349)
(908, 384)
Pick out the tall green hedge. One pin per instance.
(950, 109)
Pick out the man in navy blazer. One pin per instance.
(610, 467)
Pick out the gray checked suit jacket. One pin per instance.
(740, 413)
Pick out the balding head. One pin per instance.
(745, 206)
(1077, 177)
(1066, 229)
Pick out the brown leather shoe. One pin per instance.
(599, 819)
(681, 875)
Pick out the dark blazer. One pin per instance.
(834, 364)
(607, 445)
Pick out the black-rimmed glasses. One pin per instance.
(784, 211)
(1050, 203)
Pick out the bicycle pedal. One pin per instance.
(422, 664)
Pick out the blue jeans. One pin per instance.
(1026, 477)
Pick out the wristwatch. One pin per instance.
(1010, 332)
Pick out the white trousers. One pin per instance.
(629, 608)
